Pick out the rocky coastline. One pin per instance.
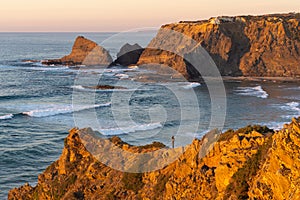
(252, 162)
(241, 46)
(258, 46)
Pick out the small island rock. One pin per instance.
(128, 55)
(84, 52)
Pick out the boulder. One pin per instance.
(84, 52)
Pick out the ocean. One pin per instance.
(39, 104)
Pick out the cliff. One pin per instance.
(252, 162)
(266, 45)
(84, 52)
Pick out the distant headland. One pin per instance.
(248, 46)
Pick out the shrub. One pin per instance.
(133, 181)
(239, 182)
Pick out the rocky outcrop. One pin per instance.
(84, 52)
(105, 87)
(128, 55)
(266, 45)
(279, 177)
(252, 162)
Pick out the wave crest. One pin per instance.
(61, 110)
(256, 91)
(130, 129)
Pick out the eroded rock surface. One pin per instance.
(84, 52)
(239, 46)
(252, 162)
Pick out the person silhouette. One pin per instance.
(173, 141)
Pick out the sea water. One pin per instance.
(37, 103)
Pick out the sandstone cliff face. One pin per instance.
(247, 45)
(250, 163)
(84, 52)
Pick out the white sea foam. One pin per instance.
(131, 129)
(191, 85)
(253, 91)
(275, 125)
(78, 87)
(122, 76)
(8, 116)
(292, 107)
(184, 85)
(82, 88)
(56, 110)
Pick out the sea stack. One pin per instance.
(128, 55)
(84, 52)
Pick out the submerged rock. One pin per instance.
(252, 162)
(128, 55)
(105, 87)
(84, 52)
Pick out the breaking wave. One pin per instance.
(130, 129)
(54, 110)
(253, 91)
(8, 116)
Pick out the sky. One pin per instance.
(123, 15)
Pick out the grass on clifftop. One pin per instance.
(246, 130)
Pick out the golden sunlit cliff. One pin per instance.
(267, 45)
(252, 162)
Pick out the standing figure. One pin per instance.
(173, 141)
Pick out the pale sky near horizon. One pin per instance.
(123, 15)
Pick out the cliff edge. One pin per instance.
(252, 162)
(267, 45)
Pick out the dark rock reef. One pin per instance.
(84, 52)
(252, 162)
(105, 87)
(128, 55)
(267, 45)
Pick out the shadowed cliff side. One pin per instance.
(240, 46)
(252, 162)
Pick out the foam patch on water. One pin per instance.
(56, 110)
(122, 76)
(276, 126)
(82, 88)
(191, 85)
(184, 85)
(292, 107)
(8, 116)
(257, 91)
(130, 129)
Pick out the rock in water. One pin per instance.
(84, 52)
(128, 55)
(265, 45)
